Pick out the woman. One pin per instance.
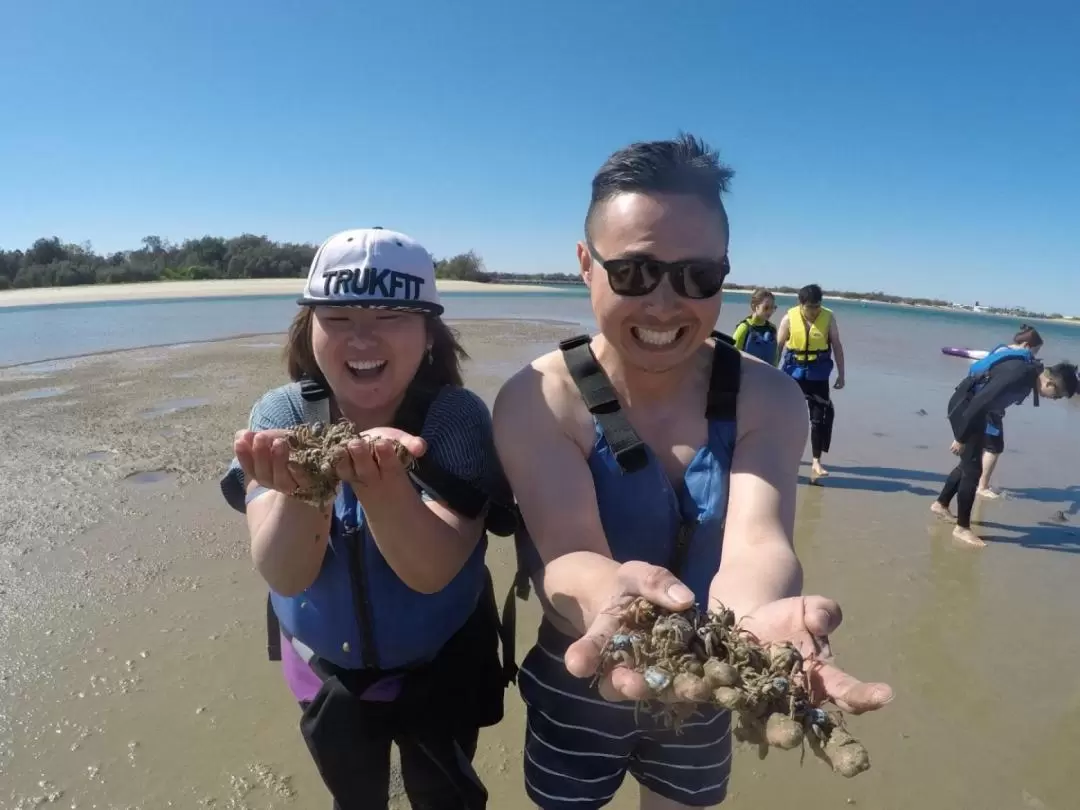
(388, 625)
(997, 382)
(756, 334)
(1028, 338)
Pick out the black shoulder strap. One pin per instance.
(603, 403)
(725, 379)
(312, 390)
(461, 495)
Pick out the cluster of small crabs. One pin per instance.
(317, 448)
(694, 657)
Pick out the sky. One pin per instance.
(922, 148)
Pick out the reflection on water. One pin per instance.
(36, 393)
(175, 406)
(150, 477)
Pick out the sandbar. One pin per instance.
(153, 290)
(133, 669)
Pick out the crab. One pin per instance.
(317, 448)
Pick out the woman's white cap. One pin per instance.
(373, 267)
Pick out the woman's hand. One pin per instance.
(807, 621)
(372, 459)
(264, 458)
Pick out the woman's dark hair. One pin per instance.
(760, 296)
(1065, 378)
(1029, 336)
(810, 294)
(447, 354)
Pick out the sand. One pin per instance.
(145, 291)
(133, 671)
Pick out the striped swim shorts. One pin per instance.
(578, 746)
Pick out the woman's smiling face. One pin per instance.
(368, 356)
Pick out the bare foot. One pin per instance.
(986, 492)
(968, 536)
(816, 472)
(942, 511)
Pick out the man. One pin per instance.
(636, 455)
(1005, 377)
(810, 338)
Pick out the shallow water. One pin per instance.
(175, 406)
(132, 649)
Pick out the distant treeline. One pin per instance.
(52, 263)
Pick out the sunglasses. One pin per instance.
(691, 278)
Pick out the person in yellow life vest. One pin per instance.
(810, 341)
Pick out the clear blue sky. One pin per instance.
(921, 147)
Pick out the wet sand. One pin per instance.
(133, 671)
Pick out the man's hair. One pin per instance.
(684, 165)
(1065, 377)
(810, 294)
(1029, 336)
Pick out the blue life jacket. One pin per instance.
(980, 369)
(979, 374)
(358, 614)
(644, 517)
(761, 341)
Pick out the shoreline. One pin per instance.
(213, 288)
(237, 288)
(553, 323)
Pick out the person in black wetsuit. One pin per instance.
(1003, 379)
(1027, 338)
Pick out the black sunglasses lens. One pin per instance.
(632, 277)
(699, 279)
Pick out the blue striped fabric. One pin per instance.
(579, 747)
(458, 433)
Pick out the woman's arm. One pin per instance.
(423, 539)
(739, 335)
(288, 537)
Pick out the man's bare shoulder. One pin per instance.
(540, 396)
(768, 396)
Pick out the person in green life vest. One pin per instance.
(810, 339)
(756, 334)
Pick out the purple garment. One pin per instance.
(305, 684)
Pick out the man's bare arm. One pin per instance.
(554, 490)
(838, 347)
(783, 333)
(758, 564)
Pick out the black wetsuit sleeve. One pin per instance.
(1008, 377)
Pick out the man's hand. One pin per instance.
(807, 621)
(635, 579)
(956, 448)
(839, 382)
